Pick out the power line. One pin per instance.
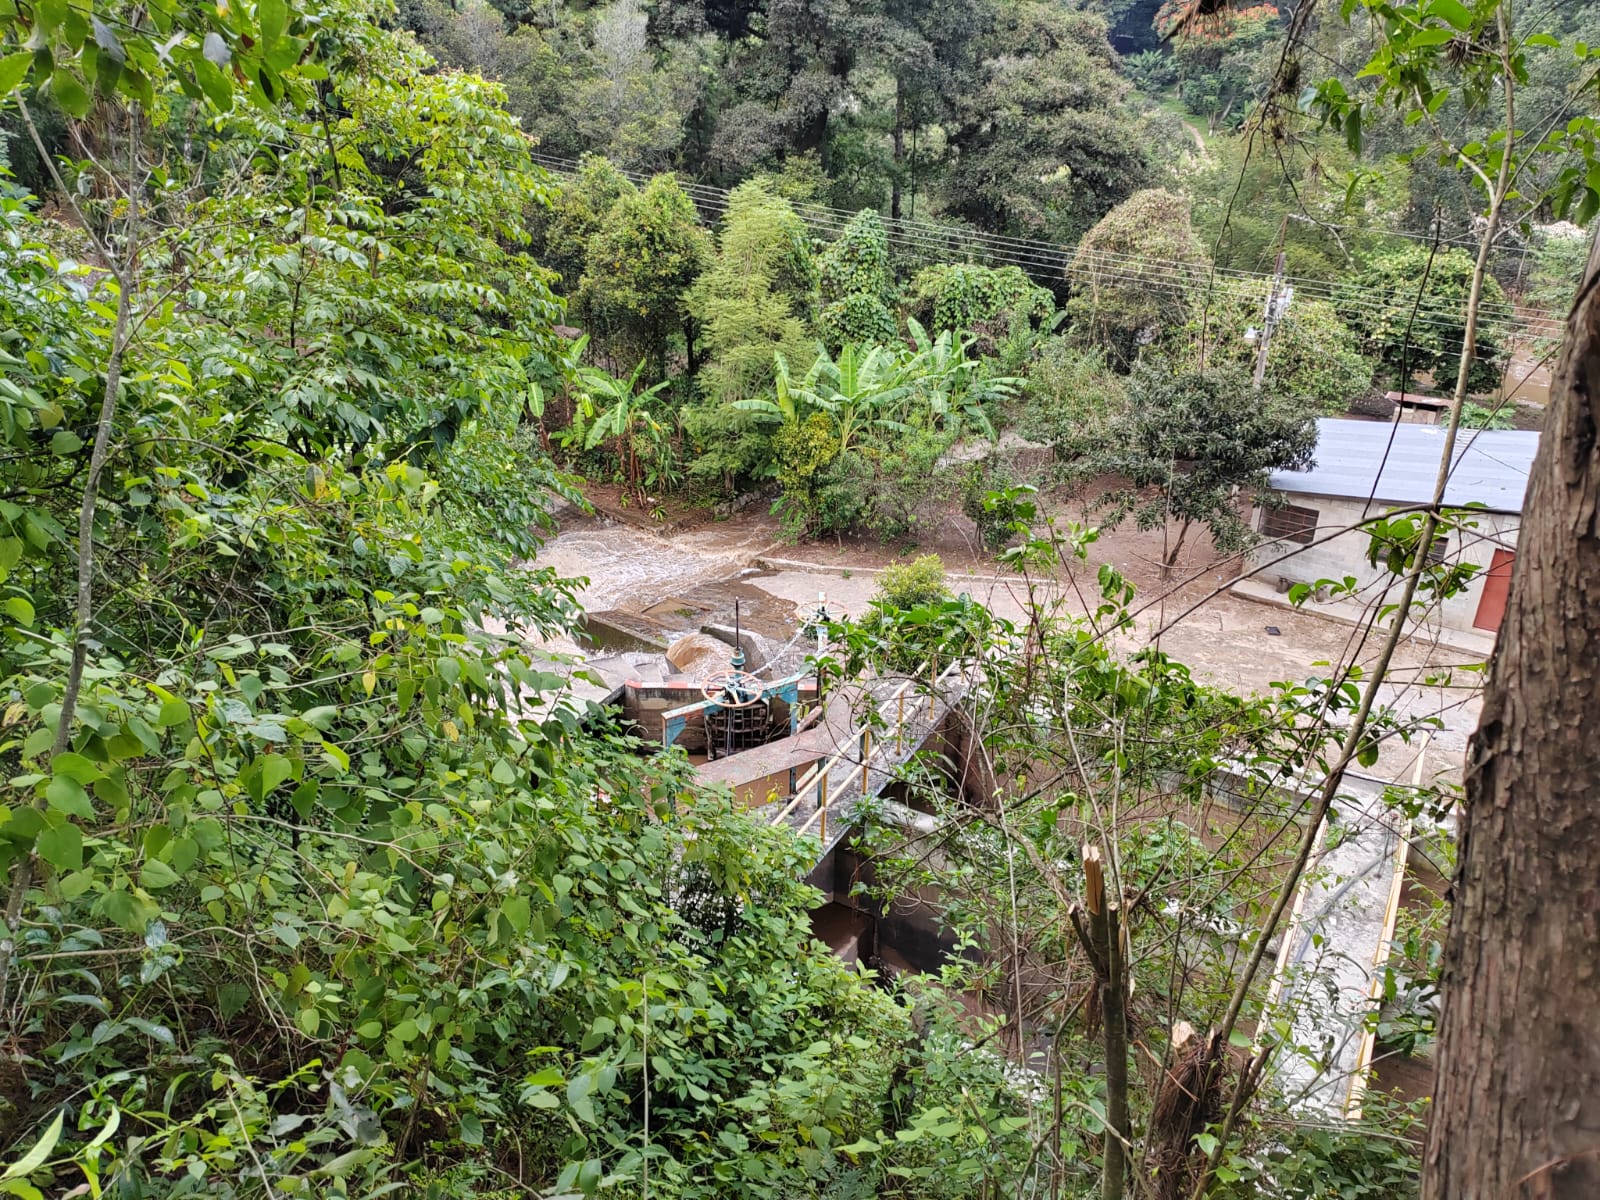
(1052, 260)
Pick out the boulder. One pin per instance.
(698, 654)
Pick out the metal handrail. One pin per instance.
(815, 779)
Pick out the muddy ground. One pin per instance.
(675, 575)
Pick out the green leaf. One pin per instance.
(69, 93)
(151, 1029)
(1207, 1143)
(184, 853)
(66, 795)
(275, 768)
(336, 756)
(64, 442)
(130, 912)
(274, 18)
(157, 875)
(515, 911)
(61, 847)
(13, 70)
(1352, 129)
(173, 712)
(1239, 1040)
(320, 717)
(1453, 11)
(19, 609)
(217, 86)
(39, 1155)
(75, 766)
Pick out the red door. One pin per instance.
(1496, 586)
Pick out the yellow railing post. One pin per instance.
(822, 803)
(866, 756)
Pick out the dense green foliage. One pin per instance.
(1385, 308)
(1138, 275)
(1314, 356)
(1185, 444)
(311, 878)
(318, 879)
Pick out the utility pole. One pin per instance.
(1277, 307)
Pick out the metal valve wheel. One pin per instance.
(732, 689)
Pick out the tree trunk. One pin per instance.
(1177, 546)
(1101, 936)
(899, 149)
(1517, 1095)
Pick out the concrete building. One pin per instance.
(1363, 468)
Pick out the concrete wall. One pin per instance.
(645, 705)
(1346, 554)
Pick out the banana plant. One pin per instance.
(791, 403)
(862, 388)
(951, 383)
(616, 409)
(563, 368)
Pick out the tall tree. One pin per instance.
(756, 298)
(1187, 444)
(929, 47)
(1136, 275)
(638, 268)
(1042, 144)
(1517, 1097)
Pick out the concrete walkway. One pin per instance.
(1476, 643)
(1330, 964)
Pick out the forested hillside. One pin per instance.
(310, 317)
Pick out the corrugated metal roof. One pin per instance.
(1491, 465)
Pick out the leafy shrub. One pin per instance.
(1476, 416)
(1152, 71)
(1382, 298)
(757, 299)
(1314, 357)
(802, 450)
(990, 500)
(990, 302)
(858, 318)
(1071, 397)
(857, 284)
(1136, 275)
(909, 585)
(730, 448)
